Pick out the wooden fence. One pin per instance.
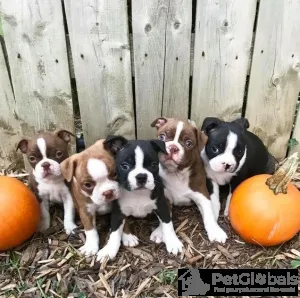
(128, 62)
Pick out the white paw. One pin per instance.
(69, 227)
(174, 245)
(44, 224)
(130, 240)
(89, 249)
(226, 211)
(107, 251)
(156, 236)
(217, 234)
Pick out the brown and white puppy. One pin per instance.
(45, 151)
(91, 174)
(183, 172)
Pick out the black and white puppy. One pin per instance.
(141, 193)
(231, 155)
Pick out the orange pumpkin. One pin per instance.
(19, 213)
(265, 209)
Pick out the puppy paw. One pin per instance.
(174, 245)
(44, 224)
(217, 234)
(69, 227)
(89, 249)
(157, 236)
(129, 240)
(107, 252)
(226, 211)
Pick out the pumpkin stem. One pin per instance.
(284, 174)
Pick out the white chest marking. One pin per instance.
(177, 186)
(219, 178)
(101, 209)
(137, 203)
(55, 192)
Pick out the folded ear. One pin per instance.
(159, 146)
(68, 167)
(242, 122)
(114, 143)
(201, 139)
(210, 123)
(65, 135)
(23, 146)
(159, 122)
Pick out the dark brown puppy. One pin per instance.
(183, 173)
(45, 151)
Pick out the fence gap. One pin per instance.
(76, 107)
(250, 61)
(129, 12)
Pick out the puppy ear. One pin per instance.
(68, 167)
(114, 143)
(65, 135)
(243, 123)
(23, 146)
(210, 123)
(159, 122)
(159, 146)
(201, 139)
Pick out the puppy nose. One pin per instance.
(227, 166)
(108, 194)
(141, 178)
(45, 165)
(173, 149)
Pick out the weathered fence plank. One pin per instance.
(222, 50)
(177, 59)
(35, 41)
(275, 81)
(9, 125)
(101, 54)
(149, 21)
(295, 142)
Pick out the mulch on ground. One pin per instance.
(50, 265)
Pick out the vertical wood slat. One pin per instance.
(223, 38)
(296, 132)
(9, 125)
(177, 59)
(101, 54)
(35, 41)
(149, 19)
(161, 45)
(275, 81)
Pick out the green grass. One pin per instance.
(295, 263)
(168, 277)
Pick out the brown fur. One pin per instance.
(76, 166)
(191, 159)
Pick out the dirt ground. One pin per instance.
(50, 265)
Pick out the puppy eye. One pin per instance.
(32, 158)
(125, 166)
(215, 149)
(59, 154)
(189, 144)
(239, 151)
(154, 164)
(162, 137)
(89, 185)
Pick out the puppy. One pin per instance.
(231, 155)
(91, 174)
(45, 151)
(183, 174)
(141, 193)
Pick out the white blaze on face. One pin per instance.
(139, 169)
(97, 169)
(219, 162)
(54, 170)
(177, 157)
